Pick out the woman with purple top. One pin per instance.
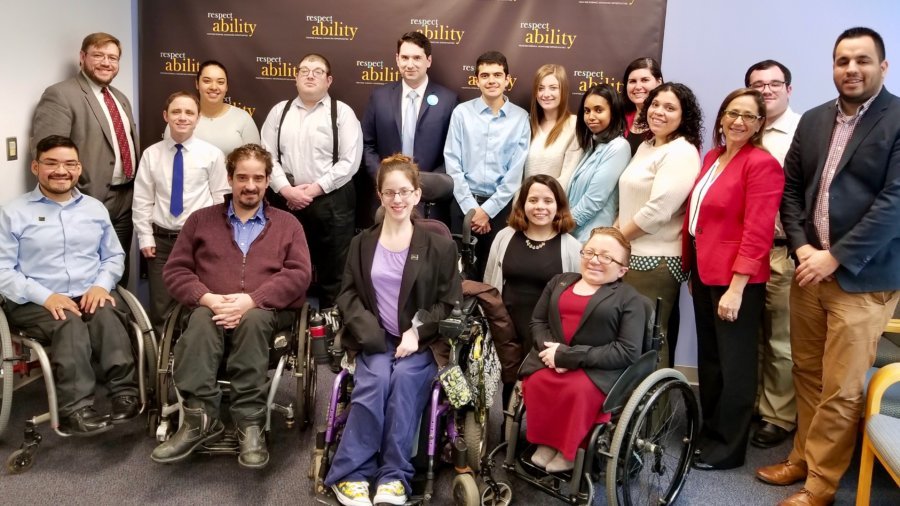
(399, 282)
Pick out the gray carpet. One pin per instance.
(115, 468)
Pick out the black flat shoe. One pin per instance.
(84, 422)
(769, 435)
(702, 465)
(124, 408)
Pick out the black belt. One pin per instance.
(480, 199)
(164, 232)
(779, 242)
(127, 185)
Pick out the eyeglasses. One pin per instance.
(603, 258)
(403, 192)
(305, 71)
(747, 117)
(69, 165)
(99, 57)
(773, 85)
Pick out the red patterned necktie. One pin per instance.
(121, 137)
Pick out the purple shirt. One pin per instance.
(387, 272)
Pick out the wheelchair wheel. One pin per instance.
(151, 347)
(19, 462)
(502, 496)
(474, 435)
(465, 490)
(653, 441)
(305, 372)
(6, 373)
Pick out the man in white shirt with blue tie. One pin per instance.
(176, 176)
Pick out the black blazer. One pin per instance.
(430, 287)
(381, 126)
(864, 204)
(609, 337)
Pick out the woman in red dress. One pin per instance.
(588, 328)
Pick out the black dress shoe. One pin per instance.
(699, 463)
(84, 422)
(769, 435)
(124, 408)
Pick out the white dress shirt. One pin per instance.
(420, 91)
(307, 144)
(118, 176)
(205, 183)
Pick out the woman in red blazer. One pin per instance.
(728, 232)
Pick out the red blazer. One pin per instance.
(736, 220)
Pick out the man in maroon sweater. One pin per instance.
(242, 267)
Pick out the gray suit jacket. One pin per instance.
(864, 203)
(70, 108)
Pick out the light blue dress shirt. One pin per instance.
(246, 233)
(485, 154)
(47, 248)
(594, 187)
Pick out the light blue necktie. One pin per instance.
(409, 123)
(176, 204)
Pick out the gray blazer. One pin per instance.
(609, 337)
(70, 108)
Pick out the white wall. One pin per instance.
(710, 43)
(41, 40)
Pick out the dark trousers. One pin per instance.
(118, 203)
(727, 369)
(329, 226)
(200, 350)
(483, 247)
(389, 397)
(160, 300)
(74, 342)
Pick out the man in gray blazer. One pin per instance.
(99, 119)
(840, 211)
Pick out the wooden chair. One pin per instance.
(881, 435)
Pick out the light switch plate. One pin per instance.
(12, 149)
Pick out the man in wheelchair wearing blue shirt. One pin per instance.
(241, 267)
(60, 261)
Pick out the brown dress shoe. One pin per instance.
(805, 498)
(784, 473)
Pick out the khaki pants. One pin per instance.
(776, 402)
(833, 339)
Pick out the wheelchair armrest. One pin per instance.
(629, 380)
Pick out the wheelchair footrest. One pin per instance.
(228, 445)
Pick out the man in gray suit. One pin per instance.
(98, 118)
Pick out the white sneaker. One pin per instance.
(392, 492)
(559, 463)
(352, 493)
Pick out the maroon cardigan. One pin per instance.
(205, 259)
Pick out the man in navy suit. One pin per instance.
(385, 125)
(840, 212)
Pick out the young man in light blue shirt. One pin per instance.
(60, 261)
(485, 154)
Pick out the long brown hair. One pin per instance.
(563, 222)
(537, 112)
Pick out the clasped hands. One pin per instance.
(481, 222)
(228, 309)
(815, 265)
(300, 196)
(548, 356)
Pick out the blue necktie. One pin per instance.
(409, 123)
(176, 204)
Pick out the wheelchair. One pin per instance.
(288, 353)
(643, 453)
(22, 353)
(452, 430)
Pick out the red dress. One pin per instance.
(563, 407)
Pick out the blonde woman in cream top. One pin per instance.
(553, 150)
